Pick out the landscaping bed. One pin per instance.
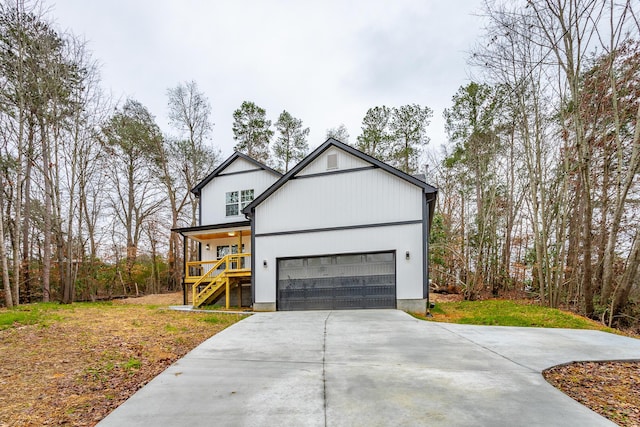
(611, 389)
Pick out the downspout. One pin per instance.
(425, 245)
(426, 231)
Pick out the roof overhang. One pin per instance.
(330, 142)
(215, 231)
(220, 169)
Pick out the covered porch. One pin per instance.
(219, 271)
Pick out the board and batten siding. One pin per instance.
(358, 197)
(399, 238)
(213, 194)
(239, 165)
(345, 161)
(227, 241)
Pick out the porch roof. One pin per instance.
(214, 231)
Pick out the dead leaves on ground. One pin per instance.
(78, 369)
(611, 389)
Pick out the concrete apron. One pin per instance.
(374, 368)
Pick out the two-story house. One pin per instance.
(341, 230)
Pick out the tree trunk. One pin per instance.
(630, 278)
(47, 229)
(621, 198)
(4, 265)
(587, 282)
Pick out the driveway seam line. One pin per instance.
(488, 349)
(324, 379)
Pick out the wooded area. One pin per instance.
(85, 184)
(538, 183)
(539, 192)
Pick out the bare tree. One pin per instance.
(130, 136)
(570, 130)
(185, 160)
(4, 265)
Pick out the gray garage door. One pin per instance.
(336, 282)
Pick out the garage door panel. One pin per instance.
(337, 282)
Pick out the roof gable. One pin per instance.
(236, 163)
(328, 144)
(341, 161)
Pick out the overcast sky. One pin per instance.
(326, 62)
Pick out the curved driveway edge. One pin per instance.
(371, 367)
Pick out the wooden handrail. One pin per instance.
(201, 265)
(231, 262)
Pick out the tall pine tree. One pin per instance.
(291, 145)
(252, 131)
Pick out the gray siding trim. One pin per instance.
(330, 142)
(239, 172)
(217, 171)
(346, 227)
(211, 227)
(335, 172)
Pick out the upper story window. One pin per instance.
(235, 201)
(246, 197)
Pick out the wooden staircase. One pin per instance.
(222, 275)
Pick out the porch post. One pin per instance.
(240, 242)
(184, 270)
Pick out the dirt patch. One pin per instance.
(174, 298)
(611, 389)
(433, 297)
(87, 359)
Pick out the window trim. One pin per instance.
(239, 202)
(229, 204)
(244, 203)
(231, 249)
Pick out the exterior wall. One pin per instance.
(210, 255)
(401, 238)
(212, 196)
(239, 165)
(345, 161)
(369, 196)
(373, 210)
(230, 241)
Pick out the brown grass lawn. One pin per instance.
(77, 363)
(84, 360)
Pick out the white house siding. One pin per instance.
(345, 161)
(369, 196)
(230, 241)
(239, 165)
(213, 194)
(399, 238)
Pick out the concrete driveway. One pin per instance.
(373, 368)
